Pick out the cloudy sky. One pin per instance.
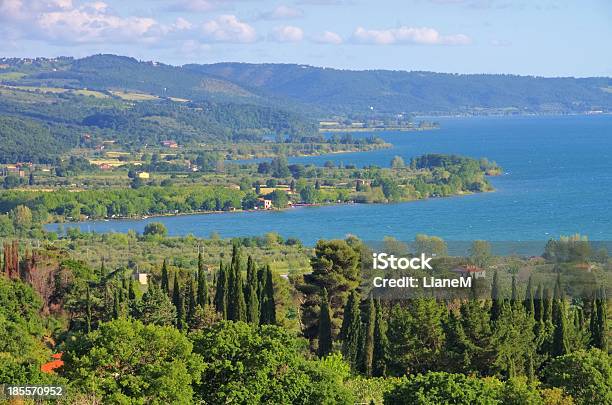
(539, 37)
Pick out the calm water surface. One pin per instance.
(558, 181)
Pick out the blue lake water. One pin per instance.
(558, 181)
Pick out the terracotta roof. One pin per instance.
(50, 367)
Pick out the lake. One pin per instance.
(557, 181)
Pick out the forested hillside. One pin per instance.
(424, 92)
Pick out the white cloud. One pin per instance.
(328, 37)
(287, 33)
(194, 6)
(408, 35)
(282, 12)
(228, 28)
(69, 22)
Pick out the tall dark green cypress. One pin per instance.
(368, 338)
(350, 331)
(221, 296)
(103, 272)
(528, 302)
(538, 305)
(131, 291)
(547, 313)
(165, 281)
(599, 322)
(116, 304)
(560, 345)
(603, 319)
(268, 305)
(325, 327)
(179, 303)
(514, 296)
(251, 295)
(496, 302)
(381, 344)
(237, 304)
(202, 298)
(88, 310)
(191, 301)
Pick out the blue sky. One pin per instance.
(535, 37)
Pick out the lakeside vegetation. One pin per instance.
(236, 330)
(242, 187)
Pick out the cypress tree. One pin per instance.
(131, 291)
(103, 272)
(268, 305)
(381, 344)
(221, 291)
(496, 304)
(547, 313)
(528, 302)
(350, 331)
(538, 307)
(514, 296)
(560, 344)
(88, 310)
(368, 338)
(179, 303)
(116, 305)
(603, 319)
(202, 299)
(165, 282)
(251, 295)
(598, 325)
(237, 306)
(325, 331)
(530, 369)
(191, 302)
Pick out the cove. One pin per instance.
(557, 181)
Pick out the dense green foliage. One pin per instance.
(127, 361)
(231, 332)
(396, 91)
(125, 202)
(264, 365)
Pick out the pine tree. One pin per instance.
(528, 303)
(221, 296)
(179, 303)
(381, 344)
(496, 304)
(325, 331)
(268, 305)
(350, 331)
(368, 338)
(202, 299)
(165, 282)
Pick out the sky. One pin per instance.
(527, 37)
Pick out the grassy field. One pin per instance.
(12, 76)
(129, 96)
